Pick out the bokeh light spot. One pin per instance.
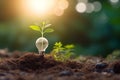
(114, 1)
(97, 6)
(58, 12)
(81, 7)
(90, 8)
(63, 4)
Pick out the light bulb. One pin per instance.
(41, 44)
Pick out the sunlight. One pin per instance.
(40, 6)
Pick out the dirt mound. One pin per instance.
(33, 62)
(32, 66)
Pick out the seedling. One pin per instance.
(42, 42)
(62, 53)
(114, 56)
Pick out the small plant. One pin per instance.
(42, 42)
(62, 53)
(114, 56)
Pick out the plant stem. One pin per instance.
(42, 35)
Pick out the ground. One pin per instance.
(32, 66)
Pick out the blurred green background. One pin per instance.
(93, 33)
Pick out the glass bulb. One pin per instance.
(41, 44)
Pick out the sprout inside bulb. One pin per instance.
(41, 44)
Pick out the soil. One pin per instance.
(32, 66)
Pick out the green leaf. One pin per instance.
(58, 44)
(48, 30)
(70, 46)
(48, 25)
(36, 28)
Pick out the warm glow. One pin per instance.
(58, 12)
(40, 6)
(63, 4)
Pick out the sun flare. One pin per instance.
(40, 6)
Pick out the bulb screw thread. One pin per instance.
(42, 53)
